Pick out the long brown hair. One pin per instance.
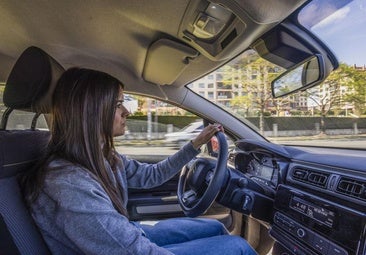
(84, 105)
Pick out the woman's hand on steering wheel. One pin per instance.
(206, 134)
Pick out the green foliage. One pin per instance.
(138, 113)
(307, 123)
(296, 113)
(356, 92)
(241, 102)
(176, 121)
(330, 112)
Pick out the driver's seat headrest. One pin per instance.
(32, 81)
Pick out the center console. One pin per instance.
(309, 225)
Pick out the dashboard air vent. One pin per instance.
(352, 188)
(309, 176)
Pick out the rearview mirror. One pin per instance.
(303, 76)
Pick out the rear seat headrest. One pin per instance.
(32, 81)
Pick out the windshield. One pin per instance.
(330, 114)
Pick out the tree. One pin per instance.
(356, 89)
(281, 103)
(327, 95)
(253, 76)
(241, 102)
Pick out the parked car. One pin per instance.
(185, 134)
(276, 74)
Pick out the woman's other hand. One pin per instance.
(206, 134)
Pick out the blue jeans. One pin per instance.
(187, 236)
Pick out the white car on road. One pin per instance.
(185, 134)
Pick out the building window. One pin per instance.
(219, 77)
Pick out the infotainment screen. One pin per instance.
(313, 211)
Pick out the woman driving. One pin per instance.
(78, 195)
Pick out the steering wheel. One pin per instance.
(204, 179)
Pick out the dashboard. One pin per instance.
(314, 199)
(258, 166)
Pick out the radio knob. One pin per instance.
(301, 233)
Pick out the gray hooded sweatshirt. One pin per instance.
(76, 216)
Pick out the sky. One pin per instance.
(344, 31)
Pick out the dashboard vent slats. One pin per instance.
(311, 177)
(352, 188)
(349, 187)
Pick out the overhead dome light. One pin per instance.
(210, 23)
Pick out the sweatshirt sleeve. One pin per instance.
(143, 176)
(75, 209)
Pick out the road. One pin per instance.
(158, 149)
(146, 150)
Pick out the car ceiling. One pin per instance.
(115, 35)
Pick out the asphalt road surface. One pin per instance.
(131, 149)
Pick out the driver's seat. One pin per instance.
(29, 88)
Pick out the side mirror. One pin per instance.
(303, 76)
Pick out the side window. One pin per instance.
(20, 119)
(156, 128)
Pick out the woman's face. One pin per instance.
(120, 116)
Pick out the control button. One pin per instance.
(334, 250)
(320, 244)
(300, 233)
(297, 251)
(246, 203)
(201, 22)
(290, 227)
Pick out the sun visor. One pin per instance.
(166, 60)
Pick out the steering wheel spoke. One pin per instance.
(190, 198)
(209, 177)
